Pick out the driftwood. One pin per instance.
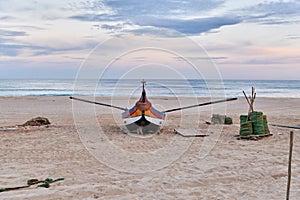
(189, 133)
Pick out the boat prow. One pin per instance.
(143, 118)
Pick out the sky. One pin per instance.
(258, 39)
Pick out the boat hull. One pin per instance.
(143, 125)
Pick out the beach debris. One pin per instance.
(9, 128)
(37, 121)
(42, 183)
(221, 119)
(189, 133)
(34, 122)
(254, 125)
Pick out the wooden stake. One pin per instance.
(252, 105)
(290, 165)
(246, 98)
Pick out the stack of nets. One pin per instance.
(221, 119)
(254, 124)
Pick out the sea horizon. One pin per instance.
(155, 87)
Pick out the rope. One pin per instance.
(30, 182)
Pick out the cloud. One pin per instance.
(108, 10)
(149, 30)
(293, 37)
(148, 16)
(4, 32)
(280, 8)
(200, 58)
(96, 17)
(189, 27)
(6, 17)
(280, 12)
(14, 50)
(118, 26)
(8, 48)
(136, 8)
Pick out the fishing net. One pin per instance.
(221, 119)
(40, 183)
(228, 120)
(218, 119)
(246, 128)
(243, 118)
(267, 131)
(257, 122)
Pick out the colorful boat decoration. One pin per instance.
(143, 118)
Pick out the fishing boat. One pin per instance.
(143, 118)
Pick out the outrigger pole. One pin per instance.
(285, 126)
(171, 110)
(201, 104)
(102, 104)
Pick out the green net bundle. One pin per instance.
(246, 128)
(243, 118)
(267, 131)
(228, 120)
(221, 119)
(257, 122)
(218, 119)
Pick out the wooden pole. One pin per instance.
(285, 126)
(252, 105)
(290, 165)
(250, 101)
(98, 103)
(201, 104)
(246, 98)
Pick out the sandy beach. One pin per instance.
(215, 167)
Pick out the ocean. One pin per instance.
(158, 88)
